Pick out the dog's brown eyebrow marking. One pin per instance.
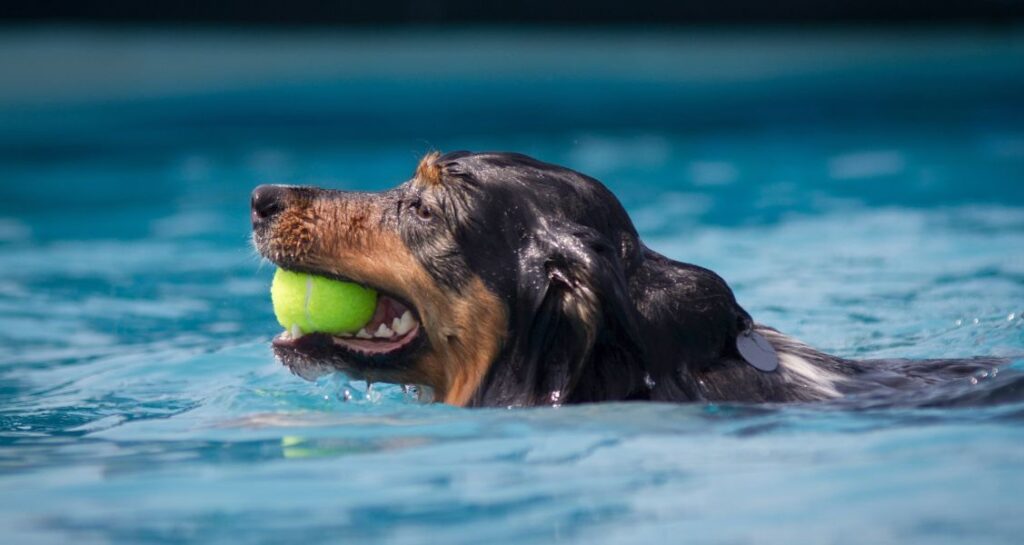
(428, 172)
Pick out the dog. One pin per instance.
(505, 281)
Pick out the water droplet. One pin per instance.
(958, 323)
(411, 392)
(1010, 317)
(372, 395)
(425, 394)
(974, 380)
(649, 381)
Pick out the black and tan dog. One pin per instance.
(506, 281)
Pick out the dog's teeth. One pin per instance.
(405, 324)
(343, 334)
(399, 326)
(296, 332)
(383, 332)
(363, 334)
(286, 335)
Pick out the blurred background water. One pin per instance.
(861, 189)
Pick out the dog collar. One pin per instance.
(757, 351)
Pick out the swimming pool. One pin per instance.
(862, 191)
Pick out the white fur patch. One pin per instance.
(802, 373)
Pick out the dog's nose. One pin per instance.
(267, 201)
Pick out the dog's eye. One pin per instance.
(421, 209)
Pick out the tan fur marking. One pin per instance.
(345, 238)
(477, 331)
(429, 172)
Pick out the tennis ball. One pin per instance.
(320, 305)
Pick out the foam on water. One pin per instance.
(139, 401)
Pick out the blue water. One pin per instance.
(861, 191)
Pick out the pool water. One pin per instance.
(863, 192)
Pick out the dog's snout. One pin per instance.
(267, 201)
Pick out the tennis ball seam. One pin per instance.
(305, 304)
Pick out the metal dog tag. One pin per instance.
(758, 352)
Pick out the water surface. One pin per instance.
(867, 198)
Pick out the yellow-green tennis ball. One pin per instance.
(320, 305)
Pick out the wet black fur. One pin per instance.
(594, 315)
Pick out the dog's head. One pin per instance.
(513, 273)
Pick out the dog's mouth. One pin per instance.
(392, 334)
(393, 326)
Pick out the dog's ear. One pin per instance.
(575, 332)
